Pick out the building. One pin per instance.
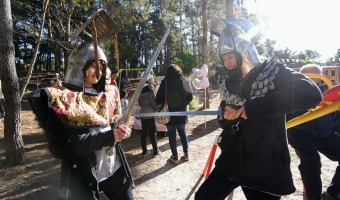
(332, 73)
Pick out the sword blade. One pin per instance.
(183, 113)
(126, 115)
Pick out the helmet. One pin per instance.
(76, 63)
(235, 37)
(104, 28)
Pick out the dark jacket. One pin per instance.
(75, 145)
(147, 101)
(321, 127)
(178, 94)
(2, 108)
(257, 155)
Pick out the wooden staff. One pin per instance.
(95, 42)
(115, 43)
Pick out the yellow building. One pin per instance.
(332, 73)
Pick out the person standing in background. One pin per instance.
(113, 80)
(308, 139)
(124, 101)
(176, 89)
(108, 75)
(147, 102)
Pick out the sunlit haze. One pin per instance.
(301, 24)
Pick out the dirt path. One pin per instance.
(155, 178)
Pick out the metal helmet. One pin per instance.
(236, 37)
(76, 63)
(97, 30)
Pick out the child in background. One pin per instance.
(147, 101)
(108, 76)
(124, 101)
(113, 80)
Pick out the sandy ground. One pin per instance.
(156, 178)
(159, 179)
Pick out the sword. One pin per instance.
(182, 113)
(126, 115)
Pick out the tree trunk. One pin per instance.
(229, 4)
(67, 33)
(205, 48)
(14, 145)
(57, 56)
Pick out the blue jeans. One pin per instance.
(172, 137)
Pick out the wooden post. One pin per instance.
(115, 43)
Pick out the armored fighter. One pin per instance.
(256, 97)
(80, 120)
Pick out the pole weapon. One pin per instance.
(180, 113)
(126, 115)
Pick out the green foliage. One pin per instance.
(243, 13)
(308, 54)
(185, 60)
(269, 46)
(194, 104)
(28, 91)
(284, 53)
(305, 62)
(141, 25)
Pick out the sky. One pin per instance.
(301, 24)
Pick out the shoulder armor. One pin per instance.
(264, 81)
(232, 99)
(82, 109)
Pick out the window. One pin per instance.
(333, 73)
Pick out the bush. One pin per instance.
(194, 104)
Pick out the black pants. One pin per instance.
(307, 149)
(218, 187)
(117, 187)
(149, 128)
